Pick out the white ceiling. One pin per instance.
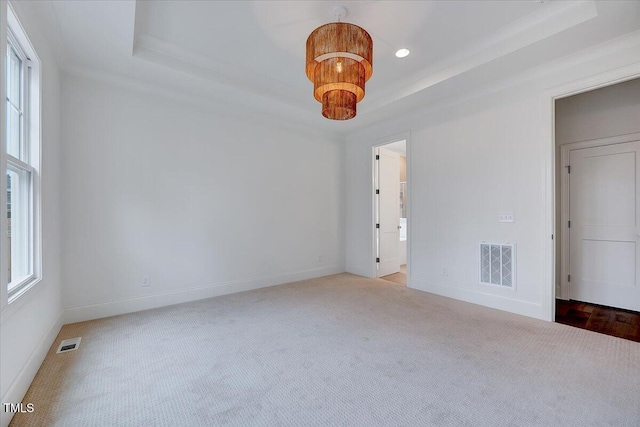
(249, 55)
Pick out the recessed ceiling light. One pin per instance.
(401, 53)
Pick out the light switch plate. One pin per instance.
(506, 217)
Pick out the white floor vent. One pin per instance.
(497, 264)
(69, 345)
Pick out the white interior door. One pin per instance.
(388, 211)
(604, 186)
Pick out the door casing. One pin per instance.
(406, 136)
(549, 97)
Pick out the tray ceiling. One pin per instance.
(250, 55)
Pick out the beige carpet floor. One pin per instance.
(335, 351)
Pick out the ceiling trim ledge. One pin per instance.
(517, 35)
(165, 53)
(628, 43)
(212, 104)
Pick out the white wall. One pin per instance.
(30, 324)
(202, 202)
(467, 162)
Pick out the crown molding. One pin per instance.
(551, 20)
(215, 105)
(222, 107)
(163, 52)
(628, 44)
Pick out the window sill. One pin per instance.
(19, 299)
(23, 288)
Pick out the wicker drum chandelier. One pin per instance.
(339, 62)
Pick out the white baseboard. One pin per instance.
(130, 305)
(500, 302)
(359, 271)
(18, 388)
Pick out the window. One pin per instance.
(22, 153)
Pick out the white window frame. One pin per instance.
(28, 163)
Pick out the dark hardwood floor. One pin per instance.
(598, 318)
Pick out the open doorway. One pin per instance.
(391, 212)
(597, 137)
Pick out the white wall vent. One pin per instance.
(497, 264)
(69, 345)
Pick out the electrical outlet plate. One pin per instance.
(146, 281)
(506, 217)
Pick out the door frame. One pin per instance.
(406, 136)
(549, 98)
(565, 152)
